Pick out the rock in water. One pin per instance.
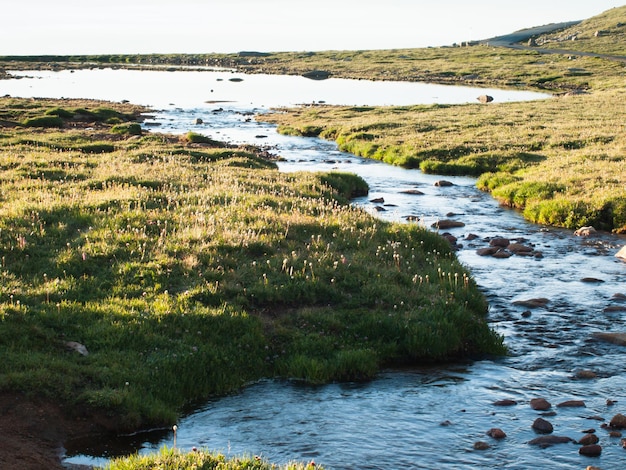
(542, 426)
(540, 404)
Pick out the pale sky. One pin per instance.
(34, 27)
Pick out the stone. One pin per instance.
(496, 433)
(502, 254)
(586, 374)
(571, 404)
(589, 439)
(489, 251)
(447, 223)
(593, 450)
(79, 348)
(505, 402)
(615, 434)
(532, 303)
(500, 242)
(618, 421)
(547, 441)
(199, 121)
(591, 280)
(519, 249)
(623, 443)
(585, 231)
(485, 99)
(614, 308)
(621, 254)
(378, 200)
(480, 445)
(317, 75)
(471, 236)
(540, 404)
(614, 338)
(415, 192)
(443, 183)
(542, 426)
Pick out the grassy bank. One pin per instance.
(171, 459)
(560, 160)
(188, 269)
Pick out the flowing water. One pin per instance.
(426, 418)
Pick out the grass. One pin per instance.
(171, 459)
(189, 270)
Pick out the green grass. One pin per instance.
(190, 270)
(172, 459)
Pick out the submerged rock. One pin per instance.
(547, 441)
(532, 303)
(614, 338)
(571, 404)
(496, 433)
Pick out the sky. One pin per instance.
(37, 27)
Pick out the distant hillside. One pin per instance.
(602, 34)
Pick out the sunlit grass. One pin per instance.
(189, 270)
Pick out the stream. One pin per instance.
(423, 417)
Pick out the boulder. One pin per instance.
(415, 192)
(540, 404)
(585, 231)
(199, 121)
(621, 254)
(542, 426)
(443, 183)
(485, 99)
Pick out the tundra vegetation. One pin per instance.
(188, 269)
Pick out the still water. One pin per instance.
(418, 418)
